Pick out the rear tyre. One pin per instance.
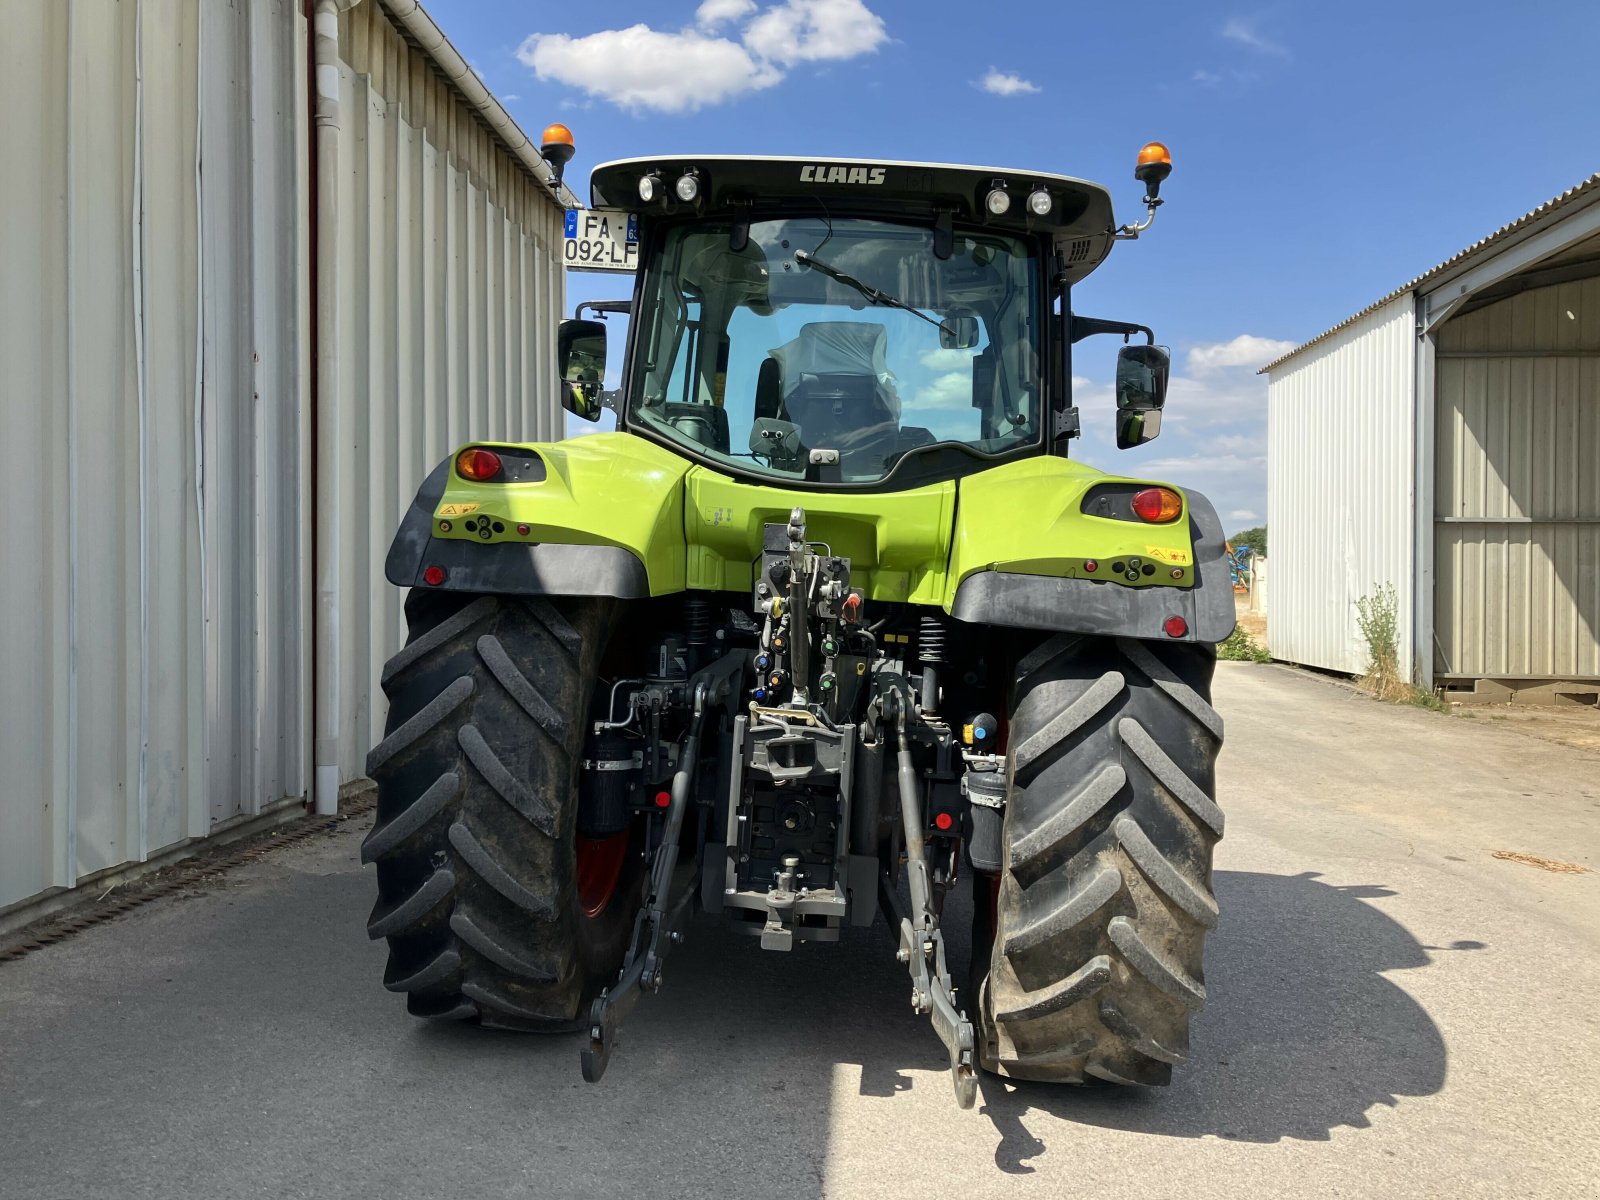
(475, 839)
(1094, 953)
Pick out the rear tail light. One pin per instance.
(477, 464)
(1157, 505)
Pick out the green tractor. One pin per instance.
(830, 619)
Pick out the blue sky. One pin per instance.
(1323, 153)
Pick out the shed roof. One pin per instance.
(415, 23)
(1546, 214)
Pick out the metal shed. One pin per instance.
(1445, 441)
(257, 283)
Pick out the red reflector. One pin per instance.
(1176, 626)
(663, 799)
(433, 576)
(523, 530)
(477, 464)
(944, 821)
(1091, 566)
(1157, 505)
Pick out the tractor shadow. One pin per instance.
(1302, 1034)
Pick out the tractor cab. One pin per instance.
(846, 325)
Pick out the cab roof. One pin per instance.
(1079, 222)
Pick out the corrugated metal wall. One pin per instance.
(1340, 476)
(1517, 487)
(453, 287)
(150, 316)
(154, 311)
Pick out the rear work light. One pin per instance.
(1157, 505)
(477, 464)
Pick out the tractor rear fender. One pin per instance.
(1027, 554)
(600, 515)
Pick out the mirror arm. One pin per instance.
(1083, 327)
(601, 307)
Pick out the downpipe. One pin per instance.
(326, 654)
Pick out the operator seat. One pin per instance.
(835, 386)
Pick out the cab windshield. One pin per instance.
(827, 349)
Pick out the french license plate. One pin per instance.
(601, 239)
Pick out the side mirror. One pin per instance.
(581, 358)
(958, 333)
(1142, 373)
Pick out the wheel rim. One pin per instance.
(600, 863)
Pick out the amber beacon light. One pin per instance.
(557, 147)
(1154, 165)
(1152, 168)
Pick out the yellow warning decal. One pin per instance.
(457, 510)
(1166, 555)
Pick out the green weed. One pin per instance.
(1240, 647)
(1378, 618)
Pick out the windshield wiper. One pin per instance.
(873, 295)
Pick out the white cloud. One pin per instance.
(815, 31)
(1243, 31)
(1231, 77)
(1006, 83)
(940, 359)
(1246, 350)
(1243, 514)
(717, 12)
(683, 71)
(511, 97)
(947, 393)
(640, 67)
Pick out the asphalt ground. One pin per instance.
(1393, 1012)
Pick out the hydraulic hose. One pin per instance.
(800, 635)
